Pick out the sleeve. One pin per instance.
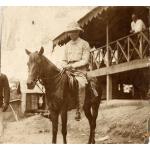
(85, 56)
(132, 26)
(140, 26)
(64, 59)
(6, 90)
(143, 26)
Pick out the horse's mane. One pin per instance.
(50, 63)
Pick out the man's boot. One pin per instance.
(80, 102)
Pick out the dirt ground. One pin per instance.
(116, 123)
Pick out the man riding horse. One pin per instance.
(60, 93)
(77, 53)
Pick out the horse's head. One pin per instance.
(34, 66)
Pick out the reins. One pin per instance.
(53, 77)
(48, 78)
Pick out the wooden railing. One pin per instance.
(128, 48)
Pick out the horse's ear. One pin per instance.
(27, 52)
(41, 51)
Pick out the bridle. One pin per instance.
(40, 78)
(50, 78)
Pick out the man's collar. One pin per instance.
(135, 20)
(76, 41)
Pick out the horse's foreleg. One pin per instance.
(54, 119)
(87, 111)
(64, 125)
(93, 123)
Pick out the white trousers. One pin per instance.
(82, 83)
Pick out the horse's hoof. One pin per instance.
(93, 142)
(89, 142)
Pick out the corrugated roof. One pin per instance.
(60, 38)
(92, 14)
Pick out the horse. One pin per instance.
(57, 95)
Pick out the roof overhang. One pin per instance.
(94, 13)
(82, 21)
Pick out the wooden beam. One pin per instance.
(132, 65)
(108, 87)
(107, 44)
(1, 17)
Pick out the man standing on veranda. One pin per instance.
(4, 98)
(137, 25)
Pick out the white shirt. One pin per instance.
(78, 51)
(138, 26)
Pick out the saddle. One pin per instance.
(73, 89)
(72, 81)
(73, 84)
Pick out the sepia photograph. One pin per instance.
(74, 74)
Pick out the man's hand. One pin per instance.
(131, 31)
(4, 107)
(68, 67)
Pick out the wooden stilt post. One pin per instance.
(0, 36)
(108, 77)
(1, 24)
(109, 87)
(149, 47)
